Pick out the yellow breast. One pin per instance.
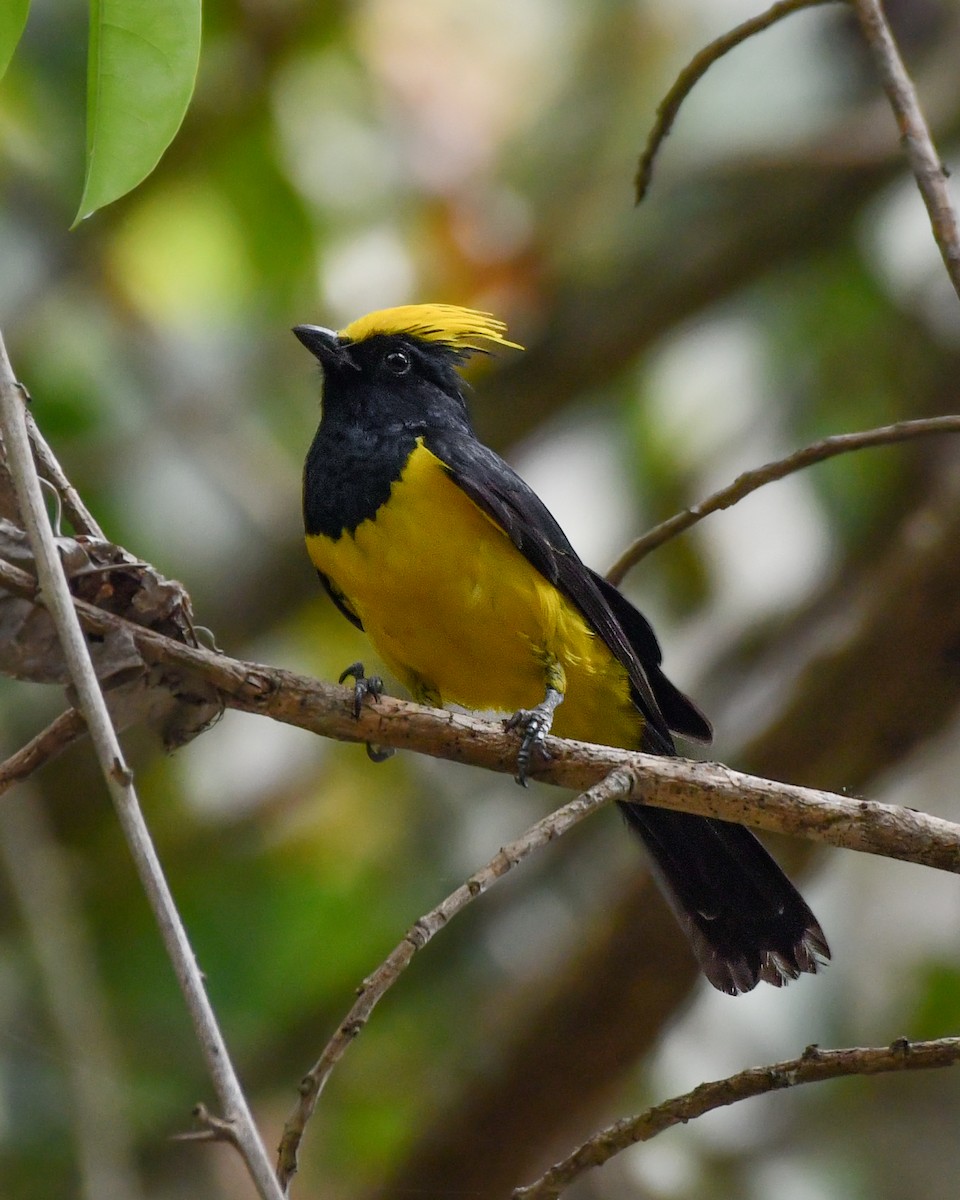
(458, 613)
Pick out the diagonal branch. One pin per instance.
(695, 70)
(615, 786)
(83, 521)
(813, 1066)
(749, 481)
(925, 163)
(708, 789)
(48, 743)
(58, 600)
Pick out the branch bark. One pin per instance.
(119, 781)
(708, 789)
(925, 162)
(58, 735)
(750, 481)
(813, 1066)
(81, 518)
(615, 786)
(695, 70)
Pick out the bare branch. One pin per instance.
(614, 786)
(695, 70)
(705, 788)
(709, 789)
(119, 780)
(82, 520)
(749, 481)
(48, 743)
(813, 1066)
(925, 163)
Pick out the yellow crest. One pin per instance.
(459, 328)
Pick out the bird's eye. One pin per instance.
(397, 362)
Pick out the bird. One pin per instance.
(471, 594)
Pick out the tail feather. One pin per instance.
(745, 920)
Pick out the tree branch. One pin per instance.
(925, 163)
(614, 786)
(59, 601)
(81, 518)
(327, 710)
(694, 71)
(813, 1066)
(47, 744)
(749, 481)
(708, 789)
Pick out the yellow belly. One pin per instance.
(458, 614)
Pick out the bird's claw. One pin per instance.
(379, 754)
(366, 686)
(363, 685)
(534, 725)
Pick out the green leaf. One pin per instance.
(13, 17)
(141, 69)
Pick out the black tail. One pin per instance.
(744, 918)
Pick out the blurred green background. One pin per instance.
(779, 284)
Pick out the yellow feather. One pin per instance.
(459, 328)
(475, 624)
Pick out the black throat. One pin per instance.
(349, 473)
(372, 419)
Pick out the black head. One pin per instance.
(399, 367)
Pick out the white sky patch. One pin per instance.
(713, 398)
(663, 1168)
(705, 386)
(578, 472)
(792, 1177)
(900, 248)
(370, 271)
(241, 760)
(333, 148)
(449, 68)
(531, 939)
(766, 92)
(182, 512)
(769, 549)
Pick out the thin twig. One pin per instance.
(62, 732)
(749, 481)
(925, 163)
(694, 71)
(82, 520)
(615, 786)
(708, 789)
(813, 1066)
(57, 598)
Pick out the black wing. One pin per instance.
(679, 711)
(500, 492)
(340, 600)
(745, 919)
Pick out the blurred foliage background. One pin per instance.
(779, 284)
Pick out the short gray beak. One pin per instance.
(324, 345)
